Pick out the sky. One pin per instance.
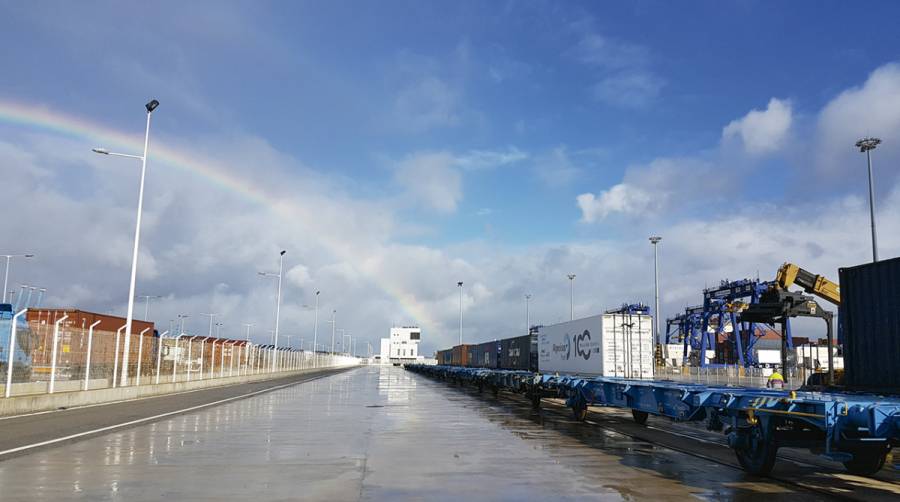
(396, 148)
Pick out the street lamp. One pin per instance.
(137, 231)
(182, 317)
(460, 285)
(866, 145)
(332, 321)
(210, 322)
(527, 315)
(655, 240)
(571, 296)
(147, 308)
(6, 276)
(316, 331)
(277, 299)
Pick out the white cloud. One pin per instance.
(556, 167)
(623, 70)
(621, 198)
(648, 189)
(427, 103)
(431, 179)
(635, 89)
(872, 109)
(762, 131)
(486, 159)
(596, 50)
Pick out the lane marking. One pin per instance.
(148, 419)
(159, 396)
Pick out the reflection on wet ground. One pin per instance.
(374, 434)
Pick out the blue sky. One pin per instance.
(506, 142)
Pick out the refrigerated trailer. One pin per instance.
(610, 345)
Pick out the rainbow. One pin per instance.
(48, 120)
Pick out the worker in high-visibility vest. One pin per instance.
(776, 381)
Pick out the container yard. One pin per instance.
(607, 360)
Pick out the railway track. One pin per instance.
(794, 471)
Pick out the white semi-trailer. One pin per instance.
(613, 345)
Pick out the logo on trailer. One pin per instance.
(563, 350)
(583, 345)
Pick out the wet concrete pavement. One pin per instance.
(374, 434)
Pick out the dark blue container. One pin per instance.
(519, 353)
(870, 317)
(486, 355)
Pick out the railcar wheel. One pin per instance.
(640, 417)
(757, 455)
(866, 464)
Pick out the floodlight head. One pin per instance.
(101, 151)
(151, 105)
(29, 256)
(459, 283)
(282, 252)
(571, 277)
(655, 239)
(317, 293)
(867, 144)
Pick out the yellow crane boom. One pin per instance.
(815, 284)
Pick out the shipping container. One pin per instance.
(460, 355)
(486, 355)
(615, 345)
(870, 318)
(444, 357)
(519, 353)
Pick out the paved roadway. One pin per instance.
(383, 434)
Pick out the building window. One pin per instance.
(414, 335)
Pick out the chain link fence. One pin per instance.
(59, 357)
(732, 375)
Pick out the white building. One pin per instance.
(402, 346)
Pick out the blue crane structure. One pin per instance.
(724, 303)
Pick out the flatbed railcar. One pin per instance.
(857, 429)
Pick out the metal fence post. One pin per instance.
(159, 346)
(137, 378)
(87, 366)
(116, 356)
(53, 352)
(12, 351)
(222, 361)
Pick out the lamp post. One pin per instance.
(316, 333)
(277, 300)
(137, 232)
(182, 317)
(147, 308)
(527, 314)
(6, 276)
(571, 296)
(655, 241)
(460, 286)
(332, 321)
(210, 322)
(866, 145)
(248, 325)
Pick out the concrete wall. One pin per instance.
(18, 405)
